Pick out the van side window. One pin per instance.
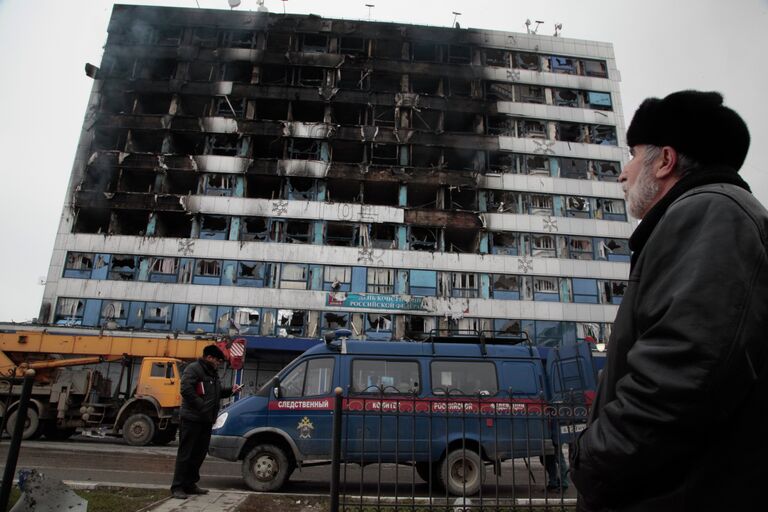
(375, 376)
(311, 378)
(464, 378)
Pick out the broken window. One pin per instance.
(505, 287)
(461, 199)
(303, 149)
(163, 267)
(539, 204)
(425, 84)
(595, 68)
(611, 209)
(459, 54)
(387, 49)
(503, 201)
(78, 261)
(607, 171)
(614, 291)
(546, 289)
(457, 284)
(569, 132)
(201, 71)
(308, 77)
(291, 322)
(499, 91)
(194, 106)
(278, 42)
(599, 100)
(600, 134)
(247, 320)
(496, 57)
(460, 159)
(251, 273)
(574, 168)
(348, 114)
(308, 112)
(153, 104)
(208, 268)
(531, 94)
(381, 280)
(337, 279)
(461, 239)
(69, 311)
(238, 39)
(301, 189)
(383, 116)
(205, 36)
(114, 311)
(613, 249)
(128, 222)
(172, 224)
(352, 78)
(524, 60)
(342, 191)
(376, 322)
(417, 327)
(460, 87)
(156, 69)
(339, 234)
(566, 97)
(384, 154)
(144, 142)
(422, 196)
(563, 65)
(537, 165)
(267, 147)
(313, 43)
(580, 248)
(426, 52)
(425, 119)
(503, 327)
(109, 140)
(294, 276)
(334, 321)
(502, 162)
(460, 122)
(501, 125)
(123, 267)
(424, 238)
(381, 193)
(264, 187)
(201, 314)
(298, 231)
(134, 180)
(584, 291)
(505, 243)
(381, 236)
(385, 82)
(273, 110)
(237, 71)
(273, 75)
(157, 315)
(218, 184)
(355, 46)
(543, 246)
(533, 129)
(577, 206)
(214, 227)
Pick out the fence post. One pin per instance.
(15, 446)
(336, 450)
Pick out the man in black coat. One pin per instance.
(200, 395)
(679, 417)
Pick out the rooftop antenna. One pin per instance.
(233, 3)
(528, 26)
(370, 6)
(558, 29)
(261, 7)
(284, 5)
(455, 15)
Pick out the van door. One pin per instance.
(305, 405)
(571, 384)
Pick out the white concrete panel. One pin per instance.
(221, 164)
(219, 124)
(556, 113)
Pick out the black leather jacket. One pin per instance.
(679, 420)
(201, 392)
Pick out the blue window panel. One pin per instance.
(135, 315)
(546, 297)
(506, 295)
(210, 280)
(379, 336)
(602, 99)
(179, 316)
(615, 216)
(505, 327)
(162, 278)
(619, 257)
(316, 280)
(584, 286)
(101, 266)
(569, 333)
(423, 278)
(92, 312)
(562, 64)
(548, 333)
(616, 300)
(77, 274)
(228, 272)
(224, 319)
(585, 299)
(359, 279)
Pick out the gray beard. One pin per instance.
(642, 196)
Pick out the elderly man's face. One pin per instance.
(641, 187)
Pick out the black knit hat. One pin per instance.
(696, 124)
(213, 351)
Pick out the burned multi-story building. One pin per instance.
(284, 175)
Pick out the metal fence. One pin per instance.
(453, 452)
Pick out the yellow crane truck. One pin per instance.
(70, 393)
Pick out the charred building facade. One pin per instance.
(284, 175)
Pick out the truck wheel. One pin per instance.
(163, 437)
(54, 433)
(425, 470)
(266, 468)
(138, 430)
(462, 472)
(32, 428)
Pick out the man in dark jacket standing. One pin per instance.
(200, 395)
(679, 418)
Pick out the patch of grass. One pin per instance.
(111, 499)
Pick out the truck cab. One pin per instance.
(448, 407)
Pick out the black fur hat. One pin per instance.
(696, 124)
(213, 351)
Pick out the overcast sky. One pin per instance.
(660, 46)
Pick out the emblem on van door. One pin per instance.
(305, 428)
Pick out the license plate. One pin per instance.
(572, 429)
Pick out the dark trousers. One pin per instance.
(193, 447)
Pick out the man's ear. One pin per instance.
(667, 162)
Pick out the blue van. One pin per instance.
(447, 408)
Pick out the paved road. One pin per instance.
(98, 460)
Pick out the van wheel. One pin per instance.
(425, 470)
(462, 472)
(266, 468)
(138, 430)
(32, 428)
